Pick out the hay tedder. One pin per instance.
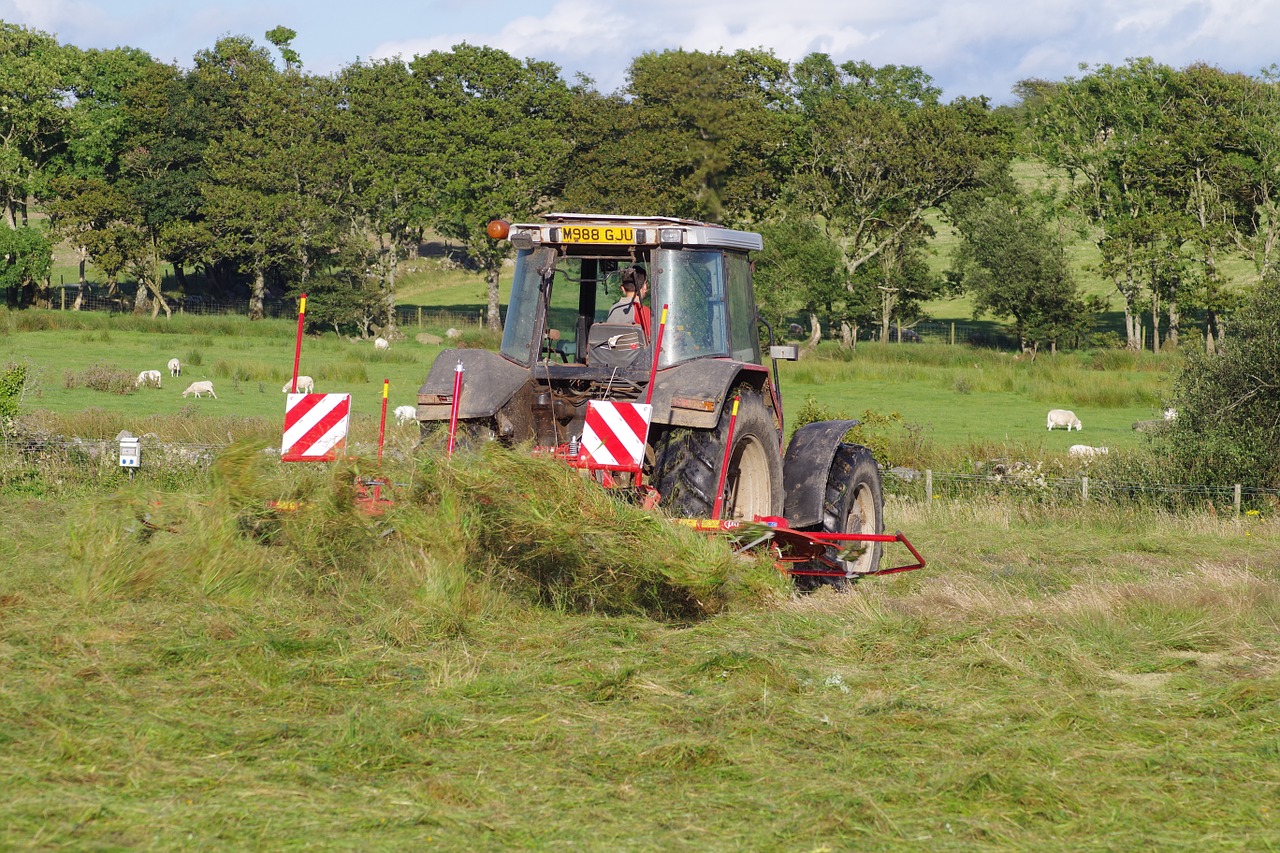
(675, 409)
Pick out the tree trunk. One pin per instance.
(259, 294)
(495, 317)
(1155, 323)
(846, 336)
(815, 333)
(1209, 321)
(80, 286)
(1175, 320)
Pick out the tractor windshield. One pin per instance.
(709, 299)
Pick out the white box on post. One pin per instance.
(130, 452)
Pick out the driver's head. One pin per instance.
(634, 280)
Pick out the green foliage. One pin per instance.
(1227, 427)
(13, 382)
(1013, 265)
(25, 258)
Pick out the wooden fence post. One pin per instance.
(1236, 498)
(1084, 489)
(928, 486)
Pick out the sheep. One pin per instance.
(306, 385)
(1063, 417)
(381, 343)
(175, 367)
(204, 386)
(406, 414)
(148, 377)
(1084, 450)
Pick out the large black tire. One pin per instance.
(686, 470)
(854, 503)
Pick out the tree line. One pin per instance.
(261, 179)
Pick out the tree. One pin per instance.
(1014, 265)
(1228, 403)
(25, 260)
(799, 271)
(693, 134)
(275, 190)
(493, 143)
(33, 85)
(876, 153)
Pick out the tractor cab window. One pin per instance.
(520, 342)
(693, 285)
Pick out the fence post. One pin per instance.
(62, 292)
(953, 332)
(928, 486)
(419, 316)
(1236, 498)
(1084, 489)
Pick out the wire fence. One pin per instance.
(98, 457)
(123, 303)
(1028, 485)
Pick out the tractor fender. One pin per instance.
(806, 467)
(488, 382)
(677, 390)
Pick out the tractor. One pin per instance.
(711, 448)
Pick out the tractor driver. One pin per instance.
(630, 308)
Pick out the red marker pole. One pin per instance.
(297, 350)
(457, 402)
(724, 465)
(382, 427)
(657, 348)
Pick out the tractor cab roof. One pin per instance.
(561, 229)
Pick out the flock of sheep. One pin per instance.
(306, 384)
(1067, 418)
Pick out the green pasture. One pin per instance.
(954, 396)
(248, 363)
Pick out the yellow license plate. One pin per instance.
(596, 234)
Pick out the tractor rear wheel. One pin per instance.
(852, 503)
(686, 470)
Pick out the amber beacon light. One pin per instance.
(498, 229)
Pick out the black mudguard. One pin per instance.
(488, 382)
(806, 467)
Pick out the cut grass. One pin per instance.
(314, 680)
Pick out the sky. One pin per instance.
(968, 47)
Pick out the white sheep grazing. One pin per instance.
(406, 414)
(381, 343)
(148, 377)
(1084, 450)
(204, 386)
(306, 385)
(175, 367)
(1063, 417)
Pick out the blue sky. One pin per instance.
(969, 47)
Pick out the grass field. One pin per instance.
(509, 659)
(504, 662)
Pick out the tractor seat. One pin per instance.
(615, 344)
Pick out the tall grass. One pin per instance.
(320, 677)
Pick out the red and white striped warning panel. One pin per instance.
(315, 427)
(615, 433)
